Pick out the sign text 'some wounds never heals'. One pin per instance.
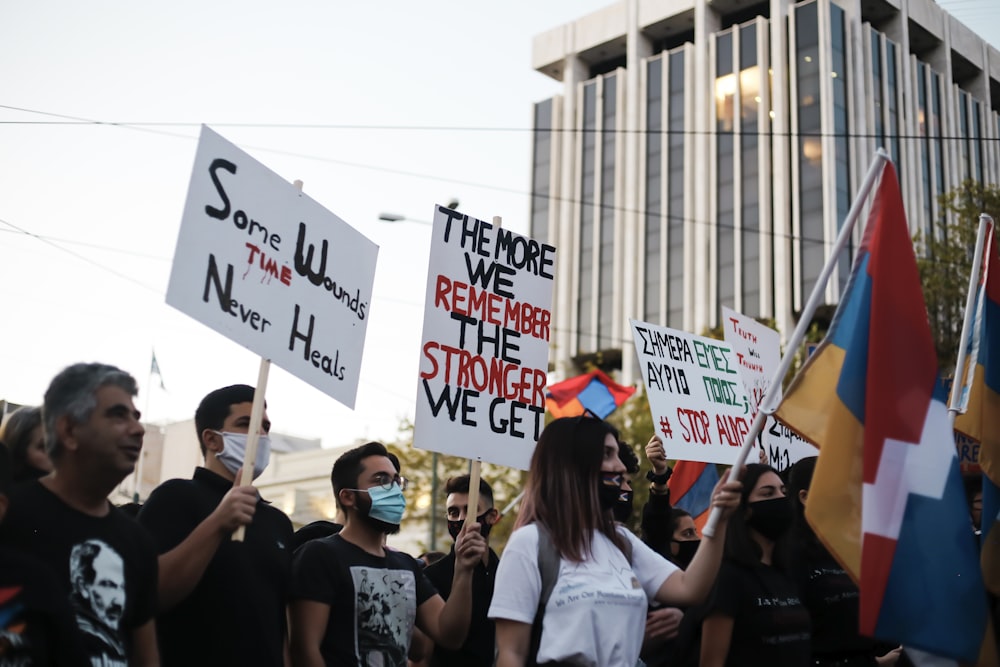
(268, 267)
(485, 350)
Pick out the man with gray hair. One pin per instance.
(103, 561)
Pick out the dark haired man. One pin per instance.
(222, 602)
(479, 647)
(356, 602)
(101, 559)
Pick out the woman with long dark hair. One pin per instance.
(605, 577)
(755, 616)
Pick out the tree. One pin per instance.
(944, 260)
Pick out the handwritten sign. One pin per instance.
(268, 267)
(758, 353)
(696, 396)
(485, 350)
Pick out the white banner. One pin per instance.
(485, 351)
(268, 267)
(758, 353)
(696, 396)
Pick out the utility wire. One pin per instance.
(146, 125)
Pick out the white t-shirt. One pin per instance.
(597, 611)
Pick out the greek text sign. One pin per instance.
(696, 396)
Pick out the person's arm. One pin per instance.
(145, 652)
(513, 643)
(655, 523)
(689, 587)
(662, 625)
(447, 623)
(421, 647)
(716, 637)
(182, 567)
(309, 620)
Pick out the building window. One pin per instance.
(750, 91)
(606, 249)
(652, 267)
(540, 171)
(810, 147)
(588, 156)
(892, 77)
(842, 160)
(923, 114)
(675, 190)
(725, 106)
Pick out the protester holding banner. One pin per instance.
(602, 576)
(755, 616)
(827, 591)
(221, 601)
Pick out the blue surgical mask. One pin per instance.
(234, 451)
(387, 505)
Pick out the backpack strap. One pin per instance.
(548, 569)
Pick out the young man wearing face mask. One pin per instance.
(354, 602)
(221, 602)
(478, 649)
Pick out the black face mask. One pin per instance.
(771, 517)
(623, 507)
(685, 552)
(609, 490)
(455, 526)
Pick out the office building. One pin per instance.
(704, 154)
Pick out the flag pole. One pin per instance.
(798, 335)
(958, 391)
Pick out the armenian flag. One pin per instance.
(887, 496)
(592, 392)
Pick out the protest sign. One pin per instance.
(696, 396)
(268, 267)
(485, 347)
(758, 353)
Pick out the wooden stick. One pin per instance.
(475, 469)
(253, 436)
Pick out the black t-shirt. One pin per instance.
(105, 566)
(236, 613)
(373, 600)
(479, 647)
(770, 623)
(37, 628)
(831, 597)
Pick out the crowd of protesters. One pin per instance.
(83, 582)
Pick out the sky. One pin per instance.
(90, 211)
(377, 107)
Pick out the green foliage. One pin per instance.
(944, 260)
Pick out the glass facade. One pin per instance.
(606, 250)
(541, 154)
(676, 163)
(588, 183)
(652, 269)
(841, 133)
(750, 98)
(811, 248)
(725, 212)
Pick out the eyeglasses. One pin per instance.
(386, 482)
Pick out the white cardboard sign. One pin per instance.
(268, 267)
(485, 347)
(696, 396)
(758, 354)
